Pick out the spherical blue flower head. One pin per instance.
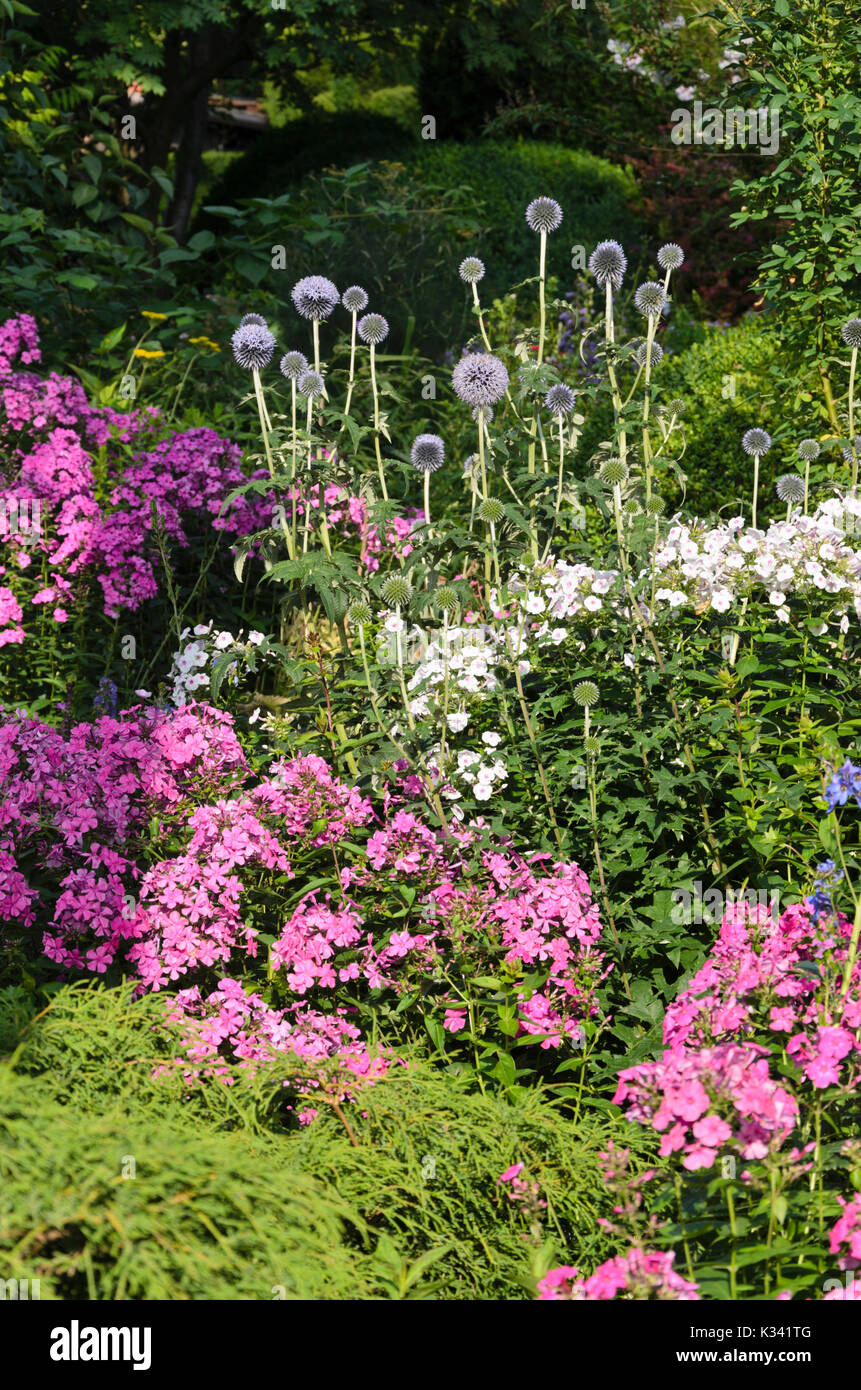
(314, 297)
(480, 379)
(471, 270)
(427, 453)
(355, 299)
(253, 318)
(310, 384)
(373, 329)
(671, 256)
(851, 333)
(544, 215)
(253, 346)
(846, 782)
(608, 264)
(650, 299)
(560, 400)
(293, 365)
(756, 442)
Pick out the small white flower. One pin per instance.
(458, 721)
(223, 641)
(482, 791)
(492, 740)
(777, 598)
(721, 600)
(782, 614)
(592, 603)
(255, 638)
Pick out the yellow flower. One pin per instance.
(205, 342)
(146, 352)
(151, 314)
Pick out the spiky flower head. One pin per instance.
(560, 400)
(253, 346)
(257, 319)
(310, 385)
(427, 453)
(656, 506)
(314, 297)
(850, 453)
(396, 591)
(360, 613)
(851, 333)
(671, 256)
(790, 488)
(482, 414)
(544, 215)
(756, 441)
(613, 472)
(373, 329)
(586, 693)
(293, 365)
(674, 407)
(480, 379)
(632, 507)
(591, 746)
(656, 355)
(491, 511)
(355, 299)
(471, 270)
(809, 449)
(446, 598)
(650, 298)
(608, 264)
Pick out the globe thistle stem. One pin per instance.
(264, 417)
(755, 490)
(427, 499)
(480, 317)
(558, 503)
(380, 469)
(352, 377)
(294, 486)
(853, 363)
(610, 339)
(652, 324)
(542, 308)
(806, 484)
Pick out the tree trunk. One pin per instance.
(192, 141)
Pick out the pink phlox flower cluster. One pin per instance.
(845, 1238)
(640, 1274)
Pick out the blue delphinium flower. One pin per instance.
(105, 700)
(845, 782)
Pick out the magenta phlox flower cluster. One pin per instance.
(639, 1274)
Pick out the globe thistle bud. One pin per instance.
(641, 354)
(471, 270)
(809, 449)
(673, 407)
(650, 299)
(480, 379)
(293, 365)
(656, 506)
(427, 453)
(613, 472)
(560, 401)
(544, 215)
(851, 333)
(482, 414)
(632, 507)
(253, 346)
(608, 264)
(671, 256)
(756, 441)
(491, 511)
(373, 329)
(849, 454)
(360, 613)
(446, 598)
(310, 385)
(586, 693)
(314, 297)
(396, 591)
(790, 488)
(355, 299)
(257, 319)
(591, 746)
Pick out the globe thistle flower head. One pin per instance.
(544, 215)
(560, 400)
(790, 488)
(809, 449)
(355, 299)
(657, 354)
(480, 379)
(373, 329)
(613, 472)
(671, 256)
(851, 333)
(314, 297)
(850, 453)
(656, 506)
(591, 746)
(586, 693)
(360, 613)
(491, 511)
(253, 346)
(756, 441)
(427, 453)
(471, 270)
(446, 599)
(608, 264)
(310, 385)
(632, 507)
(293, 365)
(257, 319)
(674, 407)
(650, 299)
(482, 414)
(396, 591)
